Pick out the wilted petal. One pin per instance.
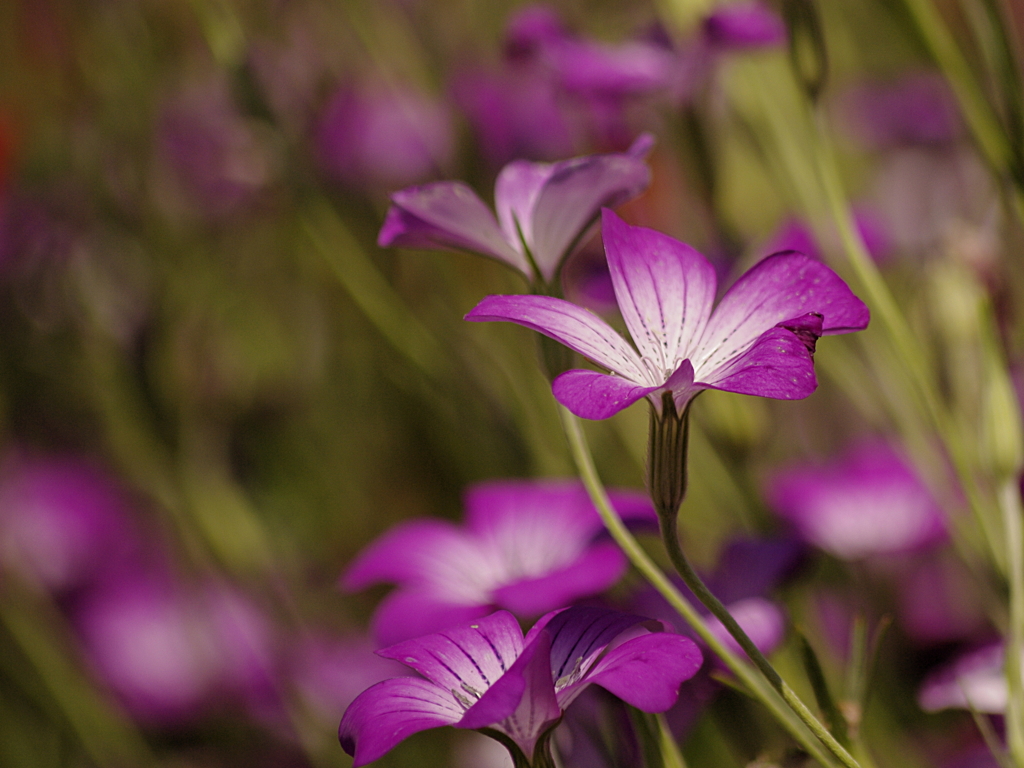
(664, 289)
(391, 711)
(567, 324)
(447, 214)
(777, 289)
(593, 395)
(418, 611)
(522, 702)
(778, 365)
(645, 672)
(468, 659)
(572, 197)
(592, 572)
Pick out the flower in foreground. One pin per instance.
(528, 547)
(759, 340)
(543, 210)
(488, 676)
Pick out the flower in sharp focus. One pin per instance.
(759, 340)
(867, 503)
(487, 675)
(543, 209)
(528, 547)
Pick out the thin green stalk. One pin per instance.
(773, 700)
(671, 755)
(1009, 501)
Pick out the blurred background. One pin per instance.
(215, 388)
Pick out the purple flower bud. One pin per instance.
(743, 25)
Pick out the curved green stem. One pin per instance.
(1009, 501)
(782, 702)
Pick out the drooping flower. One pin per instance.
(543, 210)
(487, 675)
(759, 340)
(528, 547)
(867, 503)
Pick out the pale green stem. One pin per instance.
(671, 756)
(1009, 500)
(797, 719)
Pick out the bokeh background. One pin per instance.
(215, 388)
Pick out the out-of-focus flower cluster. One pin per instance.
(258, 477)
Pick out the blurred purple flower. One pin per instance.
(219, 158)
(917, 109)
(758, 341)
(543, 210)
(938, 600)
(976, 680)
(866, 503)
(744, 25)
(487, 675)
(795, 235)
(62, 521)
(168, 652)
(383, 137)
(527, 546)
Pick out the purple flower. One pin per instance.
(487, 675)
(743, 25)
(868, 503)
(527, 546)
(758, 341)
(383, 137)
(975, 681)
(917, 109)
(543, 210)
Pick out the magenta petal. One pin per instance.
(467, 658)
(522, 703)
(595, 571)
(567, 324)
(447, 214)
(646, 672)
(762, 620)
(405, 553)
(778, 365)
(737, 26)
(573, 196)
(407, 613)
(593, 395)
(664, 289)
(777, 289)
(391, 711)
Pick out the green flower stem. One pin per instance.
(671, 756)
(1010, 502)
(782, 702)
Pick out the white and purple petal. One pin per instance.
(777, 365)
(415, 610)
(665, 290)
(593, 395)
(515, 197)
(777, 289)
(567, 324)
(406, 553)
(389, 712)
(447, 215)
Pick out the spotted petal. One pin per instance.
(593, 395)
(778, 365)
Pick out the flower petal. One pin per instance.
(403, 554)
(593, 395)
(447, 214)
(645, 672)
(417, 611)
(777, 289)
(522, 702)
(778, 365)
(579, 634)
(467, 659)
(389, 712)
(664, 288)
(515, 197)
(573, 196)
(594, 571)
(567, 324)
